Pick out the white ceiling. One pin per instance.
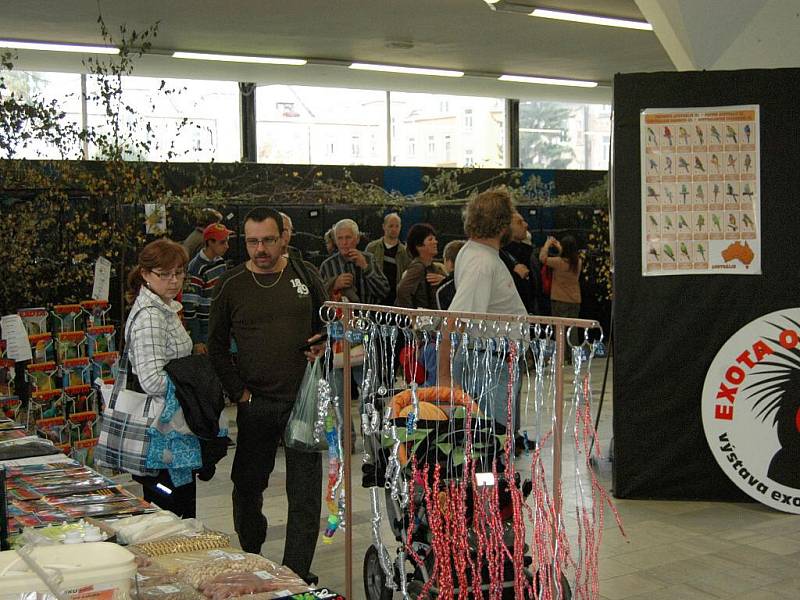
(452, 34)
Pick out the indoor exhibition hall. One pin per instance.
(464, 299)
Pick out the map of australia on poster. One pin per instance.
(701, 204)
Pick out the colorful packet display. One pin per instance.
(42, 469)
(7, 374)
(101, 496)
(104, 366)
(10, 407)
(83, 451)
(42, 348)
(83, 426)
(79, 399)
(68, 486)
(68, 317)
(69, 345)
(64, 491)
(8, 435)
(95, 311)
(54, 429)
(76, 372)
(44, 377)
(100, 339)
(44, 405)
(7, 424)
(34, 319)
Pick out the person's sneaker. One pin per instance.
(311, 578)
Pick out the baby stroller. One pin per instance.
(438, 436)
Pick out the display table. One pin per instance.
(52, 500)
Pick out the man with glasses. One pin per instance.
(203, 272)
(270, 306)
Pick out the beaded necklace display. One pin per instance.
(271, 285)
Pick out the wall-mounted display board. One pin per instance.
(668, 329)
(701, 206)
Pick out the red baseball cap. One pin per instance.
(216, 231)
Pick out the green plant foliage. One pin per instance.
(62, 215)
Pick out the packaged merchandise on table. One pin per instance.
(100, 570)
(226, 574)
(169, 590)
(205, 540)
(153, 526)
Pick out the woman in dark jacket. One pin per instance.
(417, 288)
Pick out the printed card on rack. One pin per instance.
(68, 317)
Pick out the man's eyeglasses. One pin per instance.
(267, 241)
(167, 276)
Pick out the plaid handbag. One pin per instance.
(123, 442)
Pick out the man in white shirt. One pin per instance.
(484, 285)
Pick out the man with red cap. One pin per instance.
(203, 273)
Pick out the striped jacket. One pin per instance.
(371, 285)
(202, 276)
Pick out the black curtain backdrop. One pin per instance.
(668, 329)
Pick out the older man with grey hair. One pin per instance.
(350, 272)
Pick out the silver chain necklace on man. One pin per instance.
(271, 285)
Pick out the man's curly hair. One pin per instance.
(488, 214)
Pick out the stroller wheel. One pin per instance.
(374, 577)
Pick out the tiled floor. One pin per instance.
(673, 550)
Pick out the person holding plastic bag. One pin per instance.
(270, 306)
(157, 336)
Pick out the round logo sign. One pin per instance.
(751, 409)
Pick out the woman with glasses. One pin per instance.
(157, 336)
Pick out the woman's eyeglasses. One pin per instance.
(167, 276)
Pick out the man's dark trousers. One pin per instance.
(261, 424)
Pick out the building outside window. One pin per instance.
(468, 119)
(421, 116)
(312, 125)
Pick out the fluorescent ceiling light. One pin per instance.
(406, 70)
(264, 60)
(54, 47)
(591, 19)
(548, 81)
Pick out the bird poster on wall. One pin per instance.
(701, 204)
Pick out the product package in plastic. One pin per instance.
(177, 544)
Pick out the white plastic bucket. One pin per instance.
(84, 568)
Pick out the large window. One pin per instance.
(454, 131)
(309, 125)
(172, 119)
(61, 93)
(188, 120)
(554, 135)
